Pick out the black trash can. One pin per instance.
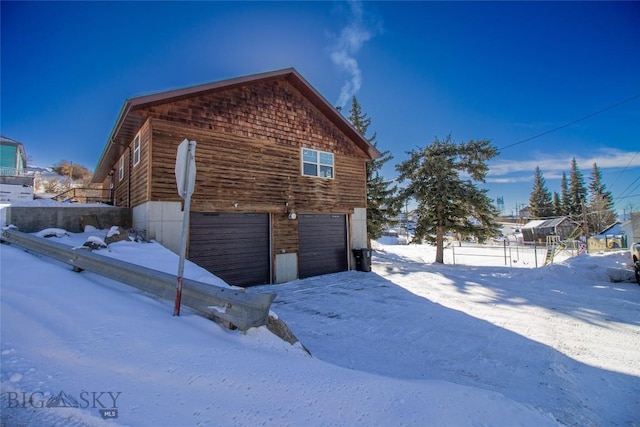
(363, 259)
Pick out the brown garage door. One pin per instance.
(234, 247)
(323, 244)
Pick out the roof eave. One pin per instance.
(290, 74)
(336, 116)
(102, 169)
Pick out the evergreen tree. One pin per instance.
(446, 201)
(540, 204)
(382, 203)
(556, 204)
(577, 192)
(564, 195)
(600, 213)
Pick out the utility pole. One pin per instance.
(585, 225)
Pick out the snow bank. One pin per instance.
(411, 343)
(89, 335)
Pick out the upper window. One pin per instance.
(121, 169)
(136, 150)
(317, 163)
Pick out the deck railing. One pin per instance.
(83, 195)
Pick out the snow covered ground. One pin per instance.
(411, 343)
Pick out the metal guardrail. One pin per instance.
(234, 307)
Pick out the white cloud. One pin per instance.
(501, 171)
(510, 180)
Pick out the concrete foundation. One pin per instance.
(161, 221)
(359, 228)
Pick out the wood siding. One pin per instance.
(140, 188)
(259, 175)
(248, 157)
(249, 142)
(285, 234)
(237, 174)
(121, 186)
(273, 111)
(134, 188)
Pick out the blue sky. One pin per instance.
(504, 71)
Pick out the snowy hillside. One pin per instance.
(410, 343)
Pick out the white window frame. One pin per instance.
(121, 169)
(136, 150)
(320, 162)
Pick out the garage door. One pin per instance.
(234, 247)
(323, 244)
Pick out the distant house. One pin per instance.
(536, 231)
(611, 237)
(15, 184)
(280, 190)
(631, 228)
(13, 159)
(612, 230)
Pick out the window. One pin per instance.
(121, 169)
(136, 150)
(317, 163)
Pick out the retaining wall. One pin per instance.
(30, 219)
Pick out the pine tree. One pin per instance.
(446, 201)
(382, 203)
(600, 213)
(577, 192)
(540, 204)
(556, 204)
(564, 195)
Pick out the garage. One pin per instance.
(233, 246)
(322, 244)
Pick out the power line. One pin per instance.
(625, 168)
(629, 186)
(620, 203)
(629, 196)
(572, 123)
(635, 188)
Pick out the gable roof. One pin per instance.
(545, 223)
(534, 223)
(127, 125)
(611, 229)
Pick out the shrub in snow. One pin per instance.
(116, 234)
(52, 232)
(113, 231)
(95, 243)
